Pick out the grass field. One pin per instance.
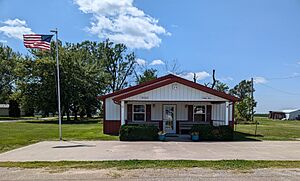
(17, 134)
(156, 164)
(268, 129)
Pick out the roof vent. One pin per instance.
(174, 86)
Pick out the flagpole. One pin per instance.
(58, 84)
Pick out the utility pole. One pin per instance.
(252, 106)
(58, 84)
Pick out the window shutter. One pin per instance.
(190, 112)
(208, 114)
(148, 112)
(129, 112)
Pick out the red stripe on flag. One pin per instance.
(35, 41)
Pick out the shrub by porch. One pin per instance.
(139, 133)
(213, 133)
(150, 132)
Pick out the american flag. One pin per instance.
(37, 41)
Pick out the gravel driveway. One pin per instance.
(150, 174)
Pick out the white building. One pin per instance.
(292, 114)
(4, 109)
(170, 102)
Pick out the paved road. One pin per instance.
(150, 174)
(116, 150)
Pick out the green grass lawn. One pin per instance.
(269, 129)
(156, 164)
(17, 134)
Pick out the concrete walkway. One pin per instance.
(116, 150)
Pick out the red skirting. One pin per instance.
(111, 127)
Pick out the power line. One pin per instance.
(281, 78)
(279, 90)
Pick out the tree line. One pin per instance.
(87, 70)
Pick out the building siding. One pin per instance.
(112, 110)
(180, 93)
(218, 110)
(4, 112)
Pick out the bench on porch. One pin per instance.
(187, 125)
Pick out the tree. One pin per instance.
(82, 78)
(118, 64)
(220, 86)
(87, 70)
(8, 60)
(173, 67)
(37, 84)
(244, 107)
(14, 110)
(148, 74)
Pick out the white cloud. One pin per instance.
(157, 62)
(296, 73)
(3, 41)
(15, 22)
(260, 80)
(199, 75)
(140, 61)
(122, 22)
(15, 28)
(226, 79)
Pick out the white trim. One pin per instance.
(122, 112)
(205, 105)
(174, 119)
(139, 112)
(226, 113)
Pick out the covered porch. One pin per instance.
(176, 117)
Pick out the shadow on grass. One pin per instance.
(239, 136)
(89, 121)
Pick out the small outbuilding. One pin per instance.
(171, 103)
(4, 109)
(285, 114)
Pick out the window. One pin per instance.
(199, 113)
(138, 113)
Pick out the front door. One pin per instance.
(169, 119)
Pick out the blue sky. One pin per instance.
(240, 39)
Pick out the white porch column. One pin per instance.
(122, 112)
(226, 113)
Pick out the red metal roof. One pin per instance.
(162, 81)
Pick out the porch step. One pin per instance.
(171, 135)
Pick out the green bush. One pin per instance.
(138, 133)
(213, 133)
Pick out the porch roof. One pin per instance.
(163, 81)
